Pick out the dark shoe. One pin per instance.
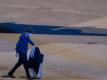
(10, 76)
(29, 78)
(36, 77)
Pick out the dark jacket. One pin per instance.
(22, 44)
(38, 57)
(36, 60)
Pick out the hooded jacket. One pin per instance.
(22, 44)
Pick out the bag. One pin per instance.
(35, 60)
(31, 62)
(38, 56)
(33, 73)
(41, 58)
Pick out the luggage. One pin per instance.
(35, 60)
(33, 73)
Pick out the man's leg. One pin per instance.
(26, 70)
(18, 64)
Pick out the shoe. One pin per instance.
(11, 76)
(29, 78)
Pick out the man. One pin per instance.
(21, 51)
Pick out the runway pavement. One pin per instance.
(61, 12)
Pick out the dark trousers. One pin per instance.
(22, 60)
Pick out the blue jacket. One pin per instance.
(22, 44)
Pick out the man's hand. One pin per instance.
(35, 46)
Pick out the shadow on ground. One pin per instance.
(12, 27)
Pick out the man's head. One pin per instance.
(28, 33)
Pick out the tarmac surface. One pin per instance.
(61, 12)
(69, 54)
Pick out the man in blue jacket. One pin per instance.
(21, 50)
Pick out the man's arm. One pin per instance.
(30, 41)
